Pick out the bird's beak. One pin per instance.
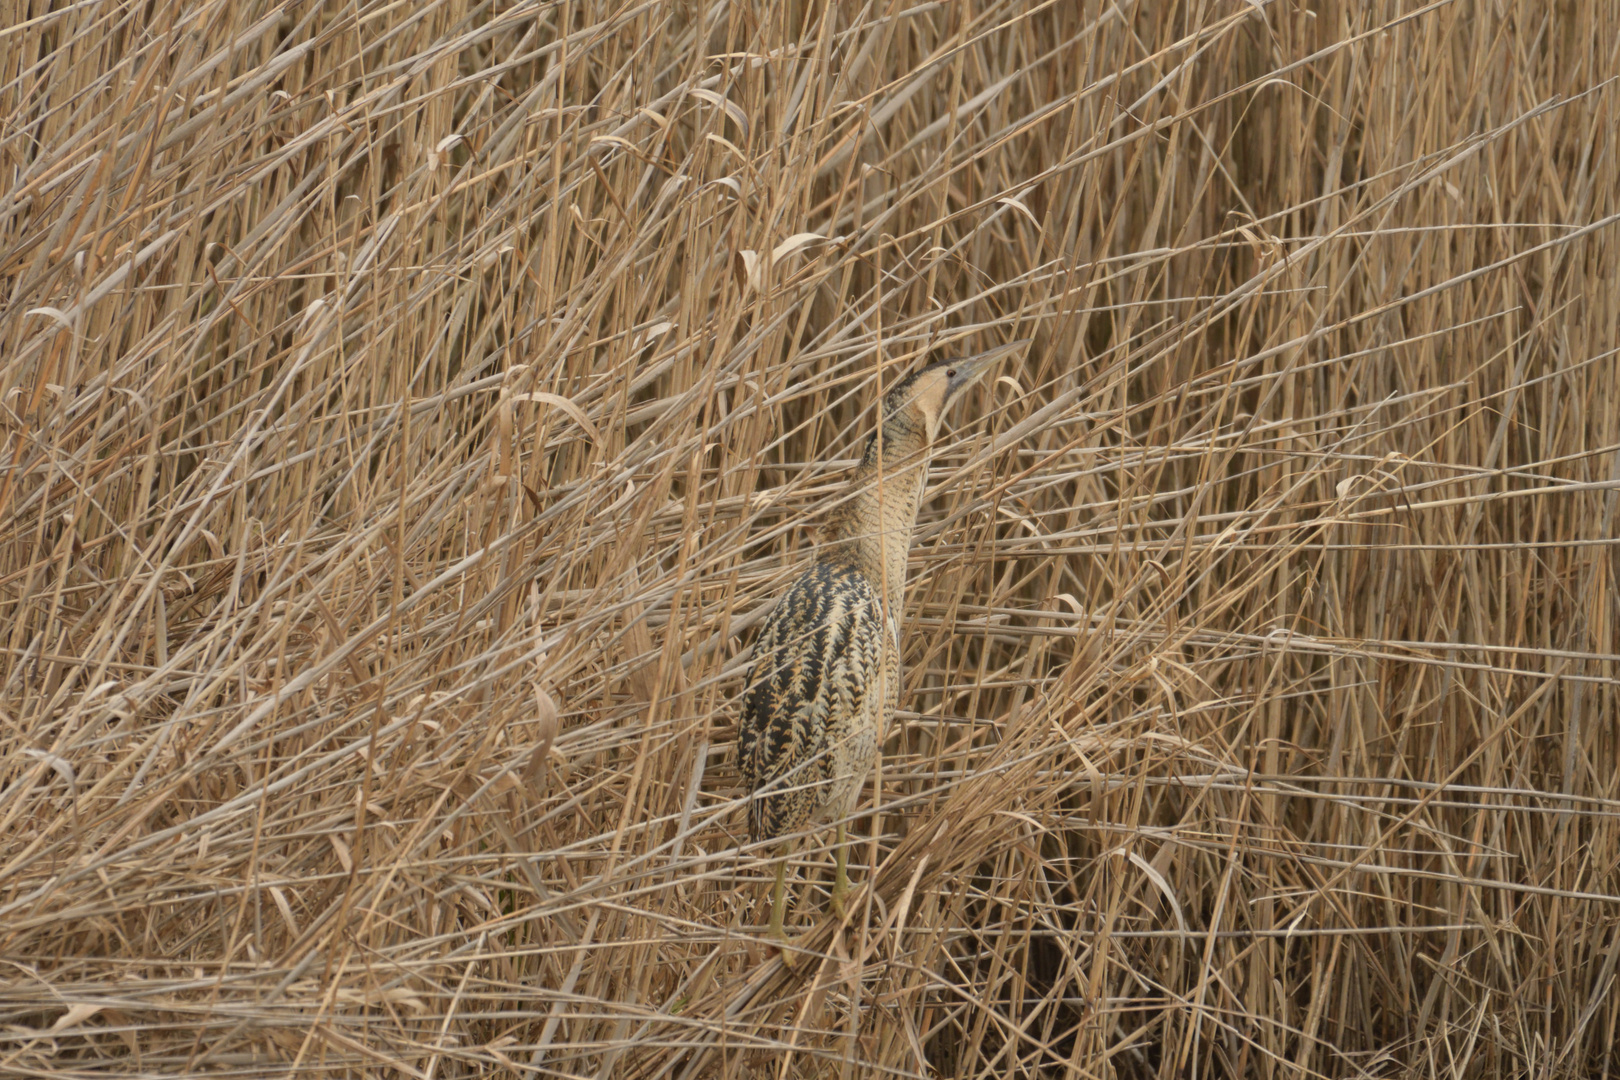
(969, 370)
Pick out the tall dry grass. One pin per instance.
(377, 375)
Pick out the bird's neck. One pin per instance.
(871, 528)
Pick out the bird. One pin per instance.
(825, 676)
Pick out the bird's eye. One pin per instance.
(950, 374)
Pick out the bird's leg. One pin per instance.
(779, 902)
(841, 875)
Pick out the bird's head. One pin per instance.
(933, 390)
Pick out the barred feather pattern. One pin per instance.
(821, 694)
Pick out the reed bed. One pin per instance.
(411, 409)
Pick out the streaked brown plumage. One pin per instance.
(826, 673)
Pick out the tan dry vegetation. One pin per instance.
(389, 388)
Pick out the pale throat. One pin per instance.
(872, 529)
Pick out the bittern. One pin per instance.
(826, 672)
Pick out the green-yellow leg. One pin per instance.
(841, 875)
(779, 905)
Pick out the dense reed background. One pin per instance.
(410, 409)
